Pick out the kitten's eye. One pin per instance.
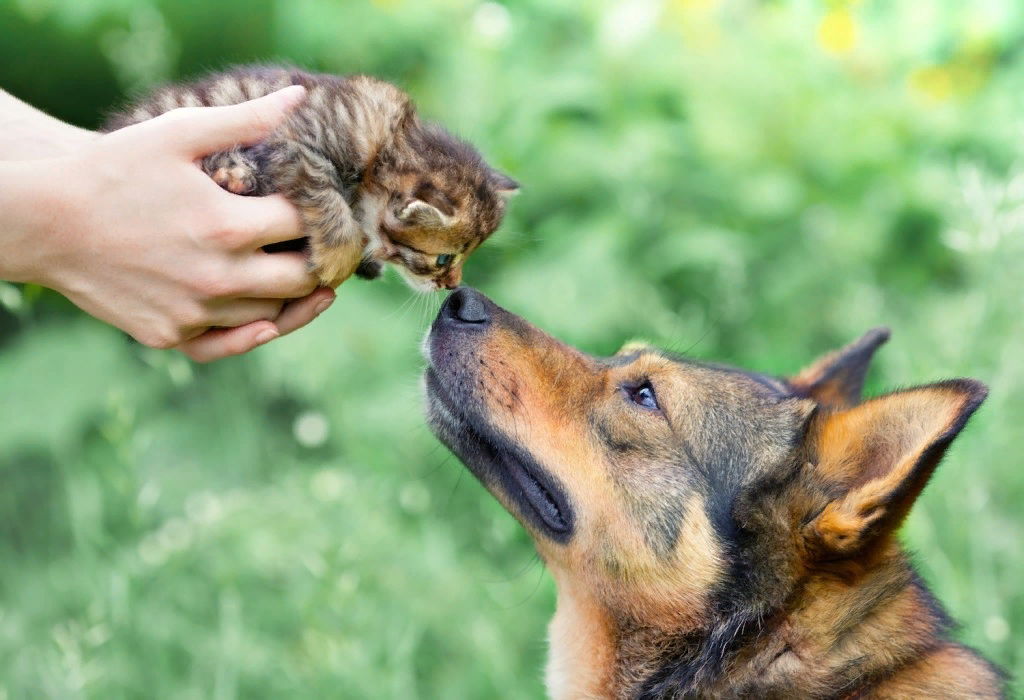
(643, 395)
(444, 259)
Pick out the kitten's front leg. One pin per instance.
(335, 240)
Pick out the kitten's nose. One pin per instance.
(452, 279)
(466, 305)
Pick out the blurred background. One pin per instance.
(751, 181)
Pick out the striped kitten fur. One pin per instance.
(373, 182)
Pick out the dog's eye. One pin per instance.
(643, 395)
(444, 259)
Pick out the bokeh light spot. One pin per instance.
(997, 629)
(311, 429)
(837, 32)
(934, 82)
(492, 22)
(415, 498)
(328, 485)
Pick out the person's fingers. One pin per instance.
(204, 130)
(225, 342)
(283, 275)
(239, 312)
(219, 343)
(260, 221)
(298, 313)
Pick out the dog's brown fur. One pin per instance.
(713, 533)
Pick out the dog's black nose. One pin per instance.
(466, 305)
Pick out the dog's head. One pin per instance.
(671, 487)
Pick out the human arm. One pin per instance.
(26, 133)
(130, 230)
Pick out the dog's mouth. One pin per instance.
(499, 463)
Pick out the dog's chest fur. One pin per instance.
(582, 656)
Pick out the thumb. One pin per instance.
(208, 129)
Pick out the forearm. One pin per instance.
(26, 133)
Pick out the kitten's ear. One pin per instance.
(423, 214)
(632, 346)
(882, 454)
(504, 185)
(836, 379)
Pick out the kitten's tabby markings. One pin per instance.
(374, 184)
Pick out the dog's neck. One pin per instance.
(582, 646)
(881, 635)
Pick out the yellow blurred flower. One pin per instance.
(697, 21)
(968, 77)
(692, 4)
(934, 82)
(837, 32)
(961, 77)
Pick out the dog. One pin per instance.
(712, 532)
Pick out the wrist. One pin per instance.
(35, 214)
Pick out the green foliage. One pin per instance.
(751, 182)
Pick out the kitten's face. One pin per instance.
(437, 214)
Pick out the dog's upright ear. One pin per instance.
(881, 454)
(836, 379)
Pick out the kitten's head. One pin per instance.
(443, 201)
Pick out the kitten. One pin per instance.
(373, 182)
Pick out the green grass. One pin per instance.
(283, 525)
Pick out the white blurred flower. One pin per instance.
(98, 635)
(203, 508)
(628, 23)
(149, 494)
(176, 534)
(145, 52)
(179, 370)
(10, 296)
(977, 498)
(348, 582)
(264, 549)
(492, 22)
(414, 498)
(315, 564)
(997, 629)
(328, 484)
(152, 551)
(311, 429)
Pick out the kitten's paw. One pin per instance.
(369, 269)
(237, 179)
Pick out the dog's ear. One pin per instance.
(882, 453)
(837, 378)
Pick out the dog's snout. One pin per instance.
(466, 305)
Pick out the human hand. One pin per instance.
(134, 233)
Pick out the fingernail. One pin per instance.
(322, 306)
(291, 96)
(265, 336)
